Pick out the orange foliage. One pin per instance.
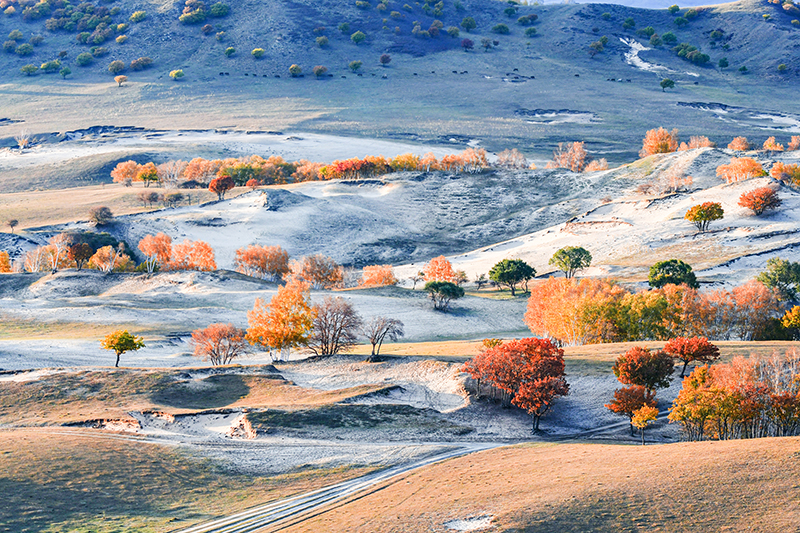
(699, 141)
(202, 170)
(219, 343)
(739, 169)
(439, 269)
(265, 262)
(628, 400)
(285, 321)
(760, 199)
(794, 144)
(739, 144)
(157, 250)
(307, 171)
(5, 263)
(192, 255)
(405, 162)
(428, 162)
(659, 141)
(596, 164)
(771, 146)
(378, 276)
(691, 350)
(128, 170)
(786, 173)
(108, 259)
(318, 270)
(512, 159)
(569, 155)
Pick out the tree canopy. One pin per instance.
(571, 259)
(673, 271)
(511, 272)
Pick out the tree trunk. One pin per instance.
(642, 430)
(633, 434)
(683, 370)
(116, 365)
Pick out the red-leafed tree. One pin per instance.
(691, 350)
(221, 185)
(760, 200)
(530, 373)
(640, 366)
(628, 400)
(219, 343)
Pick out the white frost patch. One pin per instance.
(470, 524)
(22, 377)
(787, 123)
(632, 57)
(695, 74)
(564, 118)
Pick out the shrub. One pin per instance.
(36, 40)
(121, 39)
(469, 24)
(530, 32)
(98, 51)
(786, 173)
(344, 27)
(138, 16)
(15, 35)
(65, 72)
(141, 63)
(760, 200)
(29, 70)
(723, 63)
(51, 67)
(782, 67)
(116, 67)
(691, 53)
(702, 215)
(673, 9)
(10, 46)
(295, 70)
(258, 53)
(355, 65)
(680, 21)
(230, 51)
(11, 11)
(501, 29)
(85, 59)
(527, 20)
(669, 38)
(452, 31)
(647, 32)
(176, 74)
(629, 23)
(320, 71)
(358, 37)
(322, 41)
(360, 4)
(219, 10)
(24, 50)
(385, 59)
(655, 40)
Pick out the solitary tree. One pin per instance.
(643, 417)
(640, 366)
(221, 185)
(511, 272)
(219, 343)
(467, 44)
(672, 271)
(120, 342)
(691, 350)
(12, 223)
(295, 70)
(628, 400)
(702, 215)
(100, 216)
(379, 329)
(760, 200)
(571, 259)
(120, 80)
(667, 83)
(385, 59)
(442, 293)
(355, 65)
(469, 24)
(358, 37)
(335, 327)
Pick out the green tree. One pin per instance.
(51, 67)
(65, 72)
(469, 24)
(176, 74)
(24, 50)
(120, 342)
(230, 51)
(571, 259)
(511, 272)
(355, 65)
(673, 9)
(673, 271)
(502, 29)
(295, 70)
(358, 37)
(29, 70)
(782, 275)
(442, 293)
(667, 83)
(723, 63)
(702, 215)
(258, 53)
(84, 59)
(116, 67)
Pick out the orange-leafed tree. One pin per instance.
(439, 269)
(148, 173)
(265, 262)
(318, 270)
(126, 171)
(157, 250)
(378, 276)
(704, 214)
(569, 155)
(428, 162)
(512, 159)
(306, 170)
(754, 307)
(284, 322)
(596, 165)
(192, 255)
(110, 258)
(628, 400)
(642, 418)
(59, 251)
(530, 373)
(219, 343)
(787, 173)
(739, 144)
(252, 184)
(691, 350)
(794, 144)
(640, 366)
(80, 253)
(221, 185)
(659, 141)
(739, 169)
(405, 162)
(760, 200)
(5, 263)
(700, 141)
(770, 145)
(202, 170)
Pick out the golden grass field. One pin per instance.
(743, 485)
(59, 480)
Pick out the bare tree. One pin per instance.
(379, 329)
(100, 216)
(335, 327)
(219, 343)
(23, 139)
(416, 278)
(59, 245)
(170, 173)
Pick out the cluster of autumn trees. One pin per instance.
(67, 250)
(573, 156)
(662, 141)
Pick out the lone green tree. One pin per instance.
(702, 215)
(673, 271)
(571, 259)
(442, 293)
(511, 272)
(358, 37)
(121, 341)
(469, 24)
(667, 83)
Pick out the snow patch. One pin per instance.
(470, 524)
(632, 57)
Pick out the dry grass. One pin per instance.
(708, 486)
(76, 397)
(83, 482)
(14, 328)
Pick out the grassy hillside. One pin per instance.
(715, 486)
